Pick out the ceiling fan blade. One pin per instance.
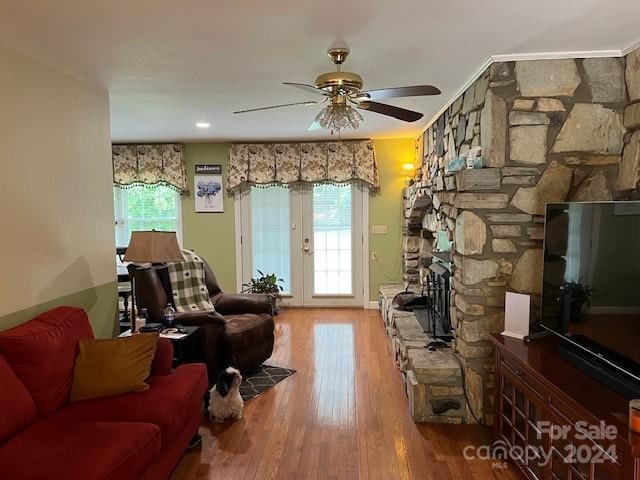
(307, 88)
(278, 106)
(415, 91)
(391, 111)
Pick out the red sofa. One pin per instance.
(137, 436)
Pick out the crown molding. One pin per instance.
(515, 57)
(631, 47)
(476, 74)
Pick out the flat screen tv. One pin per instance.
(591, 287)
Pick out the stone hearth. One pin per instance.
(433, 379)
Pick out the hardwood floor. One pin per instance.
(343, 415)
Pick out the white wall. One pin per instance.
(56, 201)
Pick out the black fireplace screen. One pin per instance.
(436, 319)
(432, 306)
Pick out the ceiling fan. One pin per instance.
(343, 94)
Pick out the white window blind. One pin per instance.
(270, 228)
(146, 208)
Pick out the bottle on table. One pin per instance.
(169, 315)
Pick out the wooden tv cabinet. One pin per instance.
(534, 385)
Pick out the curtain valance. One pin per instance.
(284, 163)
(150, 164)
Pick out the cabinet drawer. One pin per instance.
(515, 368)
(604, 449)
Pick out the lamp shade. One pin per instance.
(153, 247)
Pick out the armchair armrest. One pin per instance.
(163, 360)
(199, 318)
(238, 303)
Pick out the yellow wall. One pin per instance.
(56, 200)
(385, 208)
(213, 234)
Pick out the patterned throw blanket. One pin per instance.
(187, 283)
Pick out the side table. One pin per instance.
(186, 346)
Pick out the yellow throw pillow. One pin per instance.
(113, 366)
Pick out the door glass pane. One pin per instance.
(332, 240)
(270, 228)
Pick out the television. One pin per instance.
(591, 288)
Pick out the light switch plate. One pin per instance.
(379, 229)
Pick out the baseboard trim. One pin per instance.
(614, 310)
(372, 306)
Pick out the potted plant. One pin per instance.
(267, 284)
(579, 295)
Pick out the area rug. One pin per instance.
(257, 382)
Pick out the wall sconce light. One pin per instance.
(409, 170)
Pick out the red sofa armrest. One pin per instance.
(163, 361)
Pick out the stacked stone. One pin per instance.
(414, 209)
(629, 172)
(550, 131)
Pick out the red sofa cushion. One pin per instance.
(80, 450)
(17, 409)
(42, 353)
(169, 403)
(163, 361)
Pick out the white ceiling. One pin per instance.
(170, 63)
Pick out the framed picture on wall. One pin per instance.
(208, 188)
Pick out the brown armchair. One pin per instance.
(238, 333)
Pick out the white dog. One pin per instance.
(225, 400)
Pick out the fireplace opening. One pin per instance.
(432, 303)
(436, 282)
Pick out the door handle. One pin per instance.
(305, 245)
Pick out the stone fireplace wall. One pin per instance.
(550, 131)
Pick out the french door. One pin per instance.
(311, 236)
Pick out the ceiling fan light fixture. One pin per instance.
(354, 117)
(338, 117)
(323, 117)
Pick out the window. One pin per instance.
(146, 208)
(332, 239)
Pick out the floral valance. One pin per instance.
(149, 165)
(318, 162)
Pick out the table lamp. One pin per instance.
(153, 247)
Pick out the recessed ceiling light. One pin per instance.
(203, 125)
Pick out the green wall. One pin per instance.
(99, 302)
(212, 235)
